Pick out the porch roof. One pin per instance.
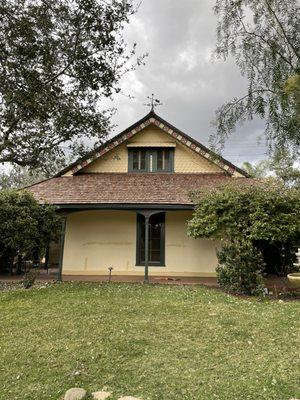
(126, 188)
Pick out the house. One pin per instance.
(126, 204)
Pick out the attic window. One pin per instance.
(151, 159)
(139, 160)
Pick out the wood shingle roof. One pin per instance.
(129, 188)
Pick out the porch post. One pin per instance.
(147, 214)
(47, 258)
(146, 278)
(62, 245)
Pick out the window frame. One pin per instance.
(161, 262)
(151, 151)
(130, 160)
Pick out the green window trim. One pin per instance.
(140, 230)
(151, 159)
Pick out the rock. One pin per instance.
(128, 398)
(100, 395)
(75, 394)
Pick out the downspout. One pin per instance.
(62, 245)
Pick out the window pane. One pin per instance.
(167, 160)
(142, 238)
(155, 238)
(142, 160)
(163, 158)
(139, 160)
(159, 165)
(151, 160)
(135, 160)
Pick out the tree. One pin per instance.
(282, 166)
(292, 88)
(263, 36)
(263, 211)
(258, 170)
(19, 177)
(58, 60)
(26, 227)
(250, 220)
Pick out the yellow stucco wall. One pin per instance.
(185, 160)
(96, 240)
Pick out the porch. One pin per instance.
(135, 244)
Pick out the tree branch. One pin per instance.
(61, 72)
(282, 29)
(232, 104)
(246, 32)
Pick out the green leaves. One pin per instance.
(25, 225)
(239, 269)
(263, 37)
(57, 61)
(248, 218)
(263, 211)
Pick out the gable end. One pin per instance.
(154, 119)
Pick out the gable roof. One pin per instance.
(153, 118)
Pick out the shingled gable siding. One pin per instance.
(186, 160)
(153, 119)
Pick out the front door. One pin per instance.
(156, 240)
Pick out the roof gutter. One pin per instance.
(125, 206)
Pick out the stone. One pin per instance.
(75, 394)
(100, 395)
(128, 398)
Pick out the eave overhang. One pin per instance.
(127, 206)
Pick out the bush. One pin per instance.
(29, 278)
(26, 227)
(245, 211)
(239, 268)
(253, 218)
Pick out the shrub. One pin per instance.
(257, 218)
(30, 278)
(239, 268)
(246, 211)
(26, 227)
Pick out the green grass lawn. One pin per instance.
(152, 342)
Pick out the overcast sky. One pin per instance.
(179, 36)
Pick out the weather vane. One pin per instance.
(153, 102)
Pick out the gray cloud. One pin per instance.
(180, 38)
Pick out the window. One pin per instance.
(156, 240)
(163, 160)
(151, 160)
(139, 160)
